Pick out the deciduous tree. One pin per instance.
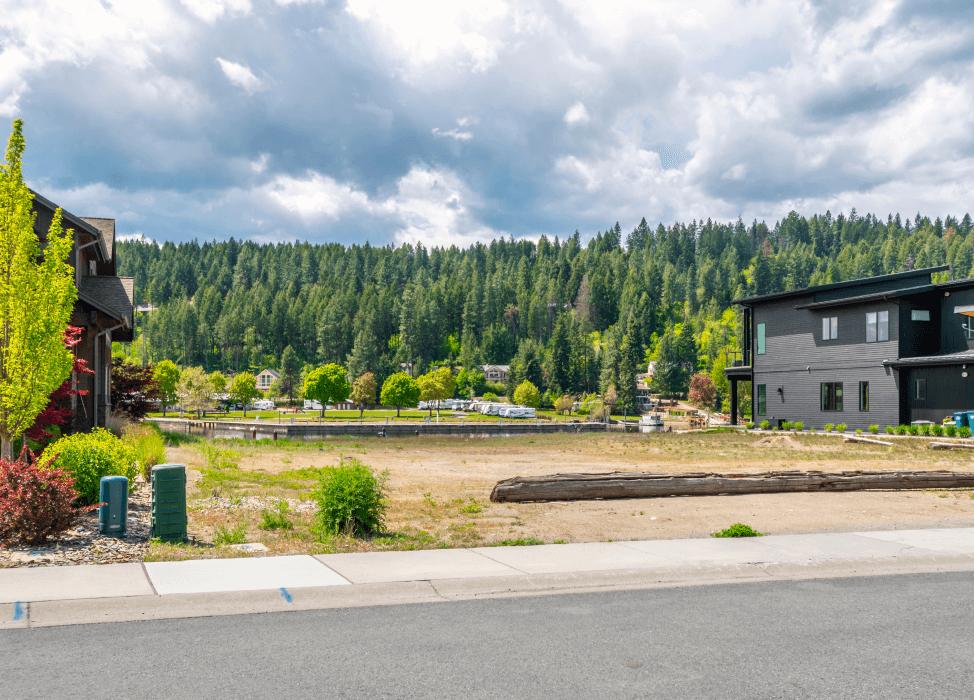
(327, 384)
(243, 389)
(527, 394)
(37, 295)
(134, 390)
(194, 391)
(363, 391)
(166, 374)
(399, 390)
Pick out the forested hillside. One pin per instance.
(571, 316)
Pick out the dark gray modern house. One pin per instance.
(884, 350)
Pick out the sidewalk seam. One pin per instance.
(497, 561)
(145, 572)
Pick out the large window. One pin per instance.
(863, 396)
(920, 389)
(761, 339)
(877, 326)
(762, 400)
(831, 396)
(830, 327)
(920, 314)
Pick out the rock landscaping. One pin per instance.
(84, 544)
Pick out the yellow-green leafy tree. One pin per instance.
(37, 295)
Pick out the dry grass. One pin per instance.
(439, 488)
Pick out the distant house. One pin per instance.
(266, 378)
(495, 373)
(104, 309)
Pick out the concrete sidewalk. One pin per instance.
(83, 594)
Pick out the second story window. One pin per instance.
(877, 326)
(761, 339)
(830, 327)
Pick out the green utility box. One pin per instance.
(169, 502)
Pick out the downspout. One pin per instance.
(98, 363)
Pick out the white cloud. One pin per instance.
(576, 114)
(259, 164)
(424, 32)
(240, 75)
(315, 196)
(211, 10)
(460, 133)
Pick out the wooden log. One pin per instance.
(575, 487)
(952, 445)
(867, 441)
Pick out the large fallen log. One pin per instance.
(579, 487)
(951, 446)
(867, 441)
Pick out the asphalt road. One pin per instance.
(901, 636)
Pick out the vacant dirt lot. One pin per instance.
(439, 488)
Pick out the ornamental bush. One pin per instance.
(950, 430)
(148, 445)
(937, 430)
(841, 427)
(351, 500)
(36, 502)
(828, 427)
(963, 431)
(765, 425)
(87, 457)
(891, 430)
(798, 425)
(738, 530)
(874, 429)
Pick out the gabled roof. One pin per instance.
(80, 224)
(106, 227)
(114, 296)
(863, 281)
(269, 371)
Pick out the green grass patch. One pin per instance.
(738, 530)
(519, 542)
(225, 534)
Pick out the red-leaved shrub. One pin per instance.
(36, 502)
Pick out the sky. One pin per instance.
(446, 122)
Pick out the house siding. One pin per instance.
(947, 391)
(797, 361)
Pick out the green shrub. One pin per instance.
(937, 430)
(902, 430)
(858, 431)
(147, 443)
(913, 429)
(798, 425)
(950, 430)
(841, 427)
(749, 426)
(489, 396)
(765, 425)
(738, 530)
(891, 430)
(87, 457)
(224, 534)
(351, 500)
(924, 429)
(828, 427)
(786, 425)
(874, 429)
(277, 518)
(963, 432)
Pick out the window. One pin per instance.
(761, 339)
(831, 396)
(920, 389)
(830, 327)
(877, 326)
(920, 315)
(762, 400)
(863, 396)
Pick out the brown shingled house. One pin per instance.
(105, 307)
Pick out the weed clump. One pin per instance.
(277, 518)
(351, 500)
(738, 530)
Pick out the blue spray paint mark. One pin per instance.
(286, 595)
(18, 611)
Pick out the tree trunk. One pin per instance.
(573, 487)
(6, 448)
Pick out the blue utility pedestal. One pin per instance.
(114, 511)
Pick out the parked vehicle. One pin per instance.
(651, 423)
(310, 405)
(264, 405)
(517, 412)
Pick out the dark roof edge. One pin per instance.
(745, 301)
(874, 296)
(74, 221)
(931, 361)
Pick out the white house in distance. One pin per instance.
(495, 373)
(266, 378)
